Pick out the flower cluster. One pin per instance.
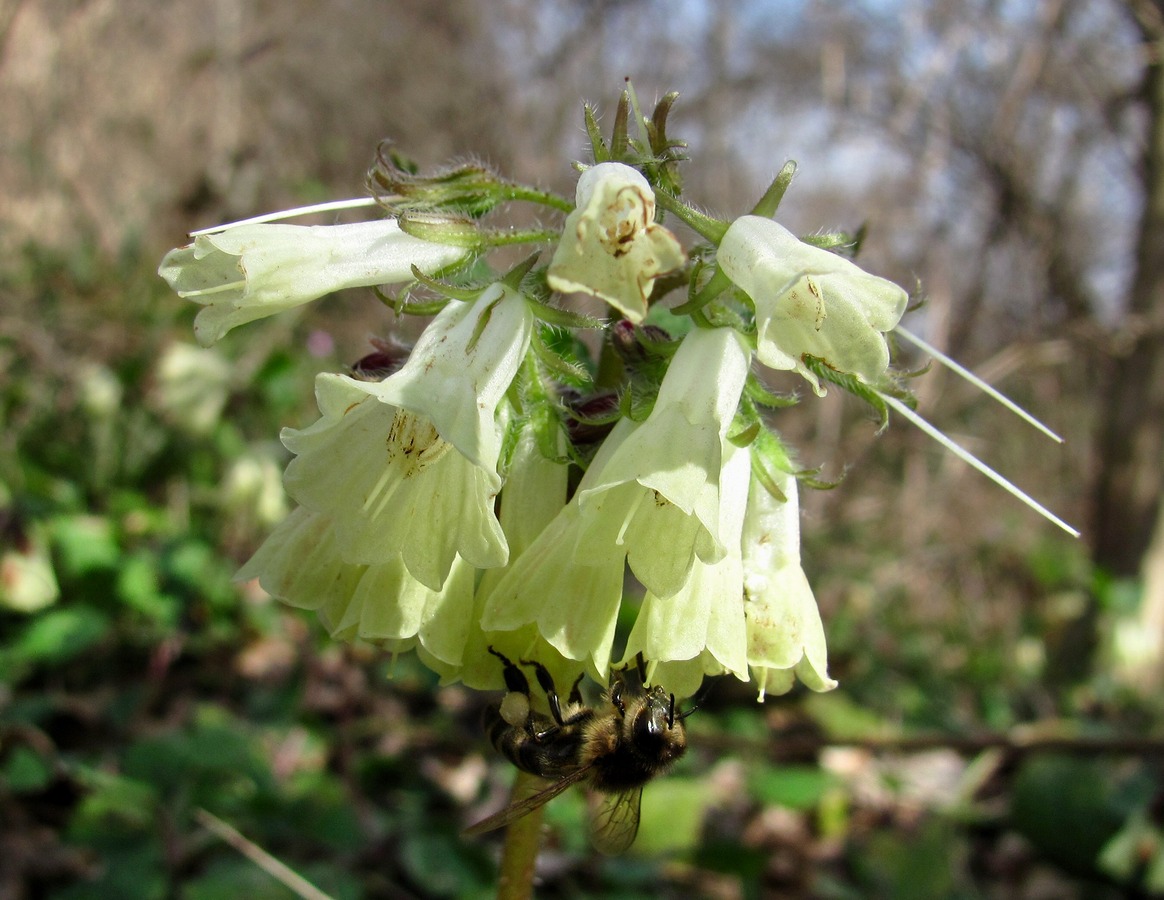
(494, 490)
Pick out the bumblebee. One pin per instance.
(617, 748)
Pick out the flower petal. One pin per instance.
(809, 301)
(253, 271)
(785, 633)
(392, 485)
(654, 487)
(461, 367)
(611, 246)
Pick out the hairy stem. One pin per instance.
(522, 841)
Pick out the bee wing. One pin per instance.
(528, 804)
(615, 821)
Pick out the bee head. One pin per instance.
(655, 732)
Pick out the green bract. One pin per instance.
(611, 246)
(809, 301)
(253, 271)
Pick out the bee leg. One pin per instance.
(515, 680)
(515, 709)
(576, 691)
(546, 681)
(641, 665)
(615, 696)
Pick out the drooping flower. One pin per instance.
(27, 581)
(786, 638)
(651, 497)
(252, 271)
(611, 246)
(191, 386)
(301, 563)
(657, 492)
(810, 301)
(700, 629)
(408, 466)
(534, 493)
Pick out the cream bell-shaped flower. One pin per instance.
(700, 629)
(786, 638)
(301, 564)
(657, 493)
(810, 301)
(253, 271)
(611, 246)
(534, 493)
(408, 466)
(650, 497)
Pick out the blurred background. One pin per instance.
(997, 728)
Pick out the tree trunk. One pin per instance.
(1127, 496)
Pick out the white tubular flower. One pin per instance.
(253, 271)
(534, 493)
(650, 496)
(301, 564)
(700, 630)
(408, 466)
(653, 488)
(611, 246)
(569, 589)
(390, 607)
(810, 301)
(27, 581)
(191, 386)
(786, 638)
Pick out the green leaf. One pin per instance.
(84, 544)
(25, 770)
(62, 634)
(673, 811)
(795, 787)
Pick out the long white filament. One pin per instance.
(353, 203)
(968, 457)
(977, 382)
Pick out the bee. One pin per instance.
(633, 736)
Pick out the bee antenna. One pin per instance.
(696, 700)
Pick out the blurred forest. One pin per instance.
(997, 730)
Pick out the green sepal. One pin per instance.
(513, 278)
(453, 292)
(806, 477)
(619, 138)
(597, 144)
(401, 306)
(716, 285)
(746, 436)
(441, 228)
(767, 205)
(840, 242)
(761, 473)
(564, 318)
(565, 370)
(482, 323)
(761, 396)
(847, 381)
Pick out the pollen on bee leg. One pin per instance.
(515, 709)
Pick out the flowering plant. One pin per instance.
(485, 495)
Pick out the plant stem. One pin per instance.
(522, 841)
